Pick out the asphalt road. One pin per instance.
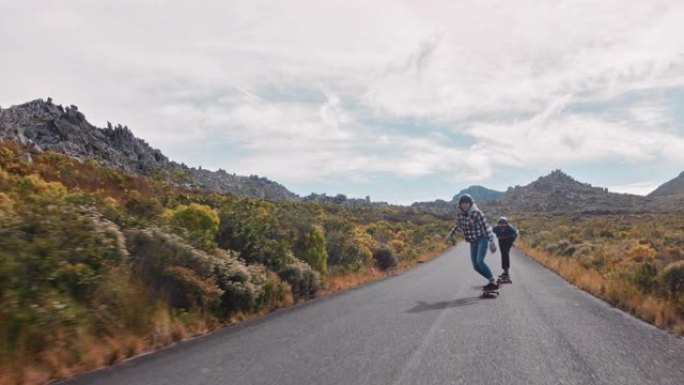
(426, 326)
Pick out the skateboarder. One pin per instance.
(507, 234)
(471, 221)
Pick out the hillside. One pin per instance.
(43, 126)
(553, 193)
(98, 265)
(674, 187)
(559, 193)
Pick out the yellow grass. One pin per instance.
(338, 281)
(656, 311)
(341, 281)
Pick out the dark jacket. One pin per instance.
(505, 232)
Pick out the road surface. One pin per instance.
(426, 326)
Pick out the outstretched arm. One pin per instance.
(452, 232)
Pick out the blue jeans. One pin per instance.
(478, 252)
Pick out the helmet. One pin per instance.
(465, 198)
(502, 221)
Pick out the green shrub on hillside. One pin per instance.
(97, 265)
(200, 222)
(311, 249)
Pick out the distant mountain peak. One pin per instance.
(558, 177)
(479, 194)
(559, 192)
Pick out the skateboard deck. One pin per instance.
(490, 294)
(507, 280)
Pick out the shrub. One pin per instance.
(341, 245)
(245, 288)
(201, 223)
(249, 227)
(304, 281)
(385, 258)
(646, 276)
(311, 249)
(672, 277)
(641, 253)
(147, 210)
(180, 274)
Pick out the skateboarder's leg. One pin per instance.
(482, 245)
(505, 247)
(474, 248)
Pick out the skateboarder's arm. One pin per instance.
(453, 231)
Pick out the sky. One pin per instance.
(401, 101)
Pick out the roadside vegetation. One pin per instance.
(97, 266)
(634, 262)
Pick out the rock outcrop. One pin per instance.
(43, 126)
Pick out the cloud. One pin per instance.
(638, 133)
(291, 90)
(520, 54)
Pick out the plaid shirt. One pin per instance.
(473, 225)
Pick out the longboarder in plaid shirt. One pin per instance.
(471, 221)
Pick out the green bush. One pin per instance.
(249, 227)
(199, 221)
(646, 276)
(311, 248)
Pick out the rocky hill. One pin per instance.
(674, 187)
(44, 126)
(559, 193)
(554, 193)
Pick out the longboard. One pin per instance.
(490, 294)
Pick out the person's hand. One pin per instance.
(492, 247)
(450, 235)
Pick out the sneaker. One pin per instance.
(491, 286)
(504, 276)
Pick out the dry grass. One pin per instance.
(60, 361)
(338, 281)
(657, 311)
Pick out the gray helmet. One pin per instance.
(502, 221)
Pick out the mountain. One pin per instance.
(43, 126)
(444, 208)
(557, 192)
(479, 194)
(674, 187)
